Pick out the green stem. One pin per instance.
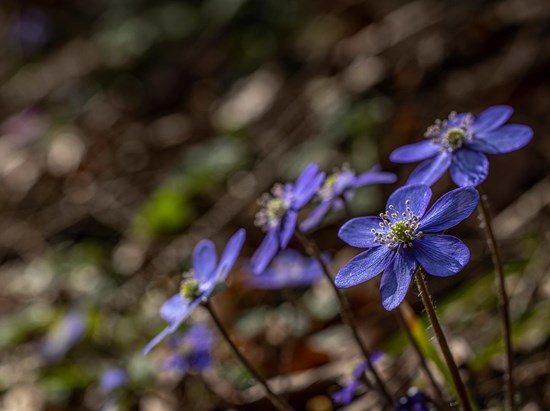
(451, 364)
(483, 209)
(346, 314)
(276, 400)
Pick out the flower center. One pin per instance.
(451, 134)
(327, 189)
(190, 289)
(398, 229)
(273, 208)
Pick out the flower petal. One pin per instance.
(230, 255)
(414, 152)
(302, 195)
(469, 168)
(450, 209)
(374, 177)
(429, 171)
(266, 251)
(441, 255)
(288, 226)
(204, 261)
(305, 178)
(418, 194)
(504, 139)
(492, 118)
(316, 216)
(397, 278)
(363, 267)
(357, 231)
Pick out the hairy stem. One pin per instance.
(451, 364)
(276, 400)
(483, 209)
(346, 314)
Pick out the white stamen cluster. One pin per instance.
(449, 134)
(273, 208)
(398, 229)
(326, 190)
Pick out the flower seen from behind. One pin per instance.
(279, 214)
(198, 285)
(404, 237)
(461, 143)
(289, 269)
(339, 187)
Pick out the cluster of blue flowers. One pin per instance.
(402, 238)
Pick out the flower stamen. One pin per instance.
(398, 228)
(273, 207)
(452, 133)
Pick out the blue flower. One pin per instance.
(461, 142)
(112, 379)
(415, 400)
(279, 214)
(339, 187)
(403, 237)
(191, 350)
(207, 272)
(65, 334)
(289, 269)
(346, 394)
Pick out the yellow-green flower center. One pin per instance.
(190, 289)
(398, 229)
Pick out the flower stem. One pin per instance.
(430, 309)
(276, 400)
(346, 314)
(483, 209)
(402, 315)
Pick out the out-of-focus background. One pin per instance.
(131, 129)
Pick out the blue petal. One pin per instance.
(304, 194)
(316, 216)
(450, 209)
(397, 278)
(230, 255)
(155, 341)
(469, 168)
(374, 177)
(504, 139)
(363, 267)
(429, 171)
(306, 177)
(415, 152)
(266, 251)
(492, 118)
(288, 226)
(204, 261)
(357, 231)
(441, 255)
(418, 194)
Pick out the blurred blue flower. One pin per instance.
(279, 214)
(191, 350)
(346, 394)
(207, 272)
(112, 379)
(403, 237)
(289, 269)
(415, 400)
(31, 29)
(63, 336)
(461, 142)
(339, 187)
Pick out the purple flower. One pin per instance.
(461, 142)
(346, 394)
(192, 350)
(112, 379)
(415, 400)
(279, 214)
(339, 187)
(207, 272)
(404, 236)
(289, 269)
(65, 334)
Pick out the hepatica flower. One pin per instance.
(460, 143)
(112, 379)
(191, 351)
(279, 214)
(199, 283)
(289, 269)
(415, 400)
(65, 334)
(339, 187)
(405, 236)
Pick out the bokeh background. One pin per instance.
(132, 129)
